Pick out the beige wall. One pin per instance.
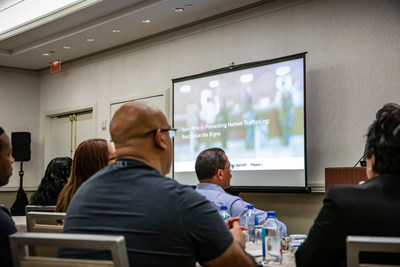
(297, 211)
(8, 198)
(352, 70)
(19, 105)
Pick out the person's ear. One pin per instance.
(161, 139)
(219, 174)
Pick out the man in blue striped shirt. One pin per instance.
(214, 174)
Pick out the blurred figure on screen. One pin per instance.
(53, 181)
(248, 114)
(213, 170)
(192, 121)
(223, 118)
(369, 209)
(284, 102)
(209, 110)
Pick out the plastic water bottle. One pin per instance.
(272, 240)
(250, 222)
(224, 212)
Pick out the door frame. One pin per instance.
(68, 110)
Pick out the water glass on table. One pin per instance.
(295, 242)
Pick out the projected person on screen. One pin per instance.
(248, 114)
(285, 105)
(209, 110)
(223, 117)
(192, 121)
(214, 173)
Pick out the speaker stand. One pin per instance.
(18, 208)
(21, 175)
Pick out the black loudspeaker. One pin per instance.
(21, 146)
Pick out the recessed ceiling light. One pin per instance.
(178, 9)
(46, 54)
(89, 39)
(145, 20)
(189, 5)
(66, 47)
(116, 30)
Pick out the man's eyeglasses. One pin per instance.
(171, 132)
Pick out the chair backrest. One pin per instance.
(44, 222)
(357, 244)
(29, 208)
(114, 244)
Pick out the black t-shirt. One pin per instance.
(7, 227)
(164, 223)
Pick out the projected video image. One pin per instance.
(256, 115)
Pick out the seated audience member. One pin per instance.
(7, 225)
(91, 156)
(213, 170)
(164, 223)
(386, 109)
(53, 181)
(370, 209)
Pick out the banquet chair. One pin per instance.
(44, 222)
(357, 244)
(114, 244)
(29, 208)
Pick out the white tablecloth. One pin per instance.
(20, 223)
(256, 250)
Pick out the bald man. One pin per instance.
(7, 225)
(164, 222)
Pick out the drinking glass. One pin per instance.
(295, 242)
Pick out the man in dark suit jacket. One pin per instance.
(371, 209)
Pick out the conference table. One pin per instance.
(255, 249)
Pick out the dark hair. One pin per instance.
(90, 157)
(386, 109)
(53, 181)
(1, 143)
(208, 162)
(383, 141)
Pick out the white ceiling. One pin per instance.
(24, 50)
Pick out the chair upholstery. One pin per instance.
(357, 244)
(115, 244)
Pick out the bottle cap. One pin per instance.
(224, 207)
(271, 214)
(250, 207)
